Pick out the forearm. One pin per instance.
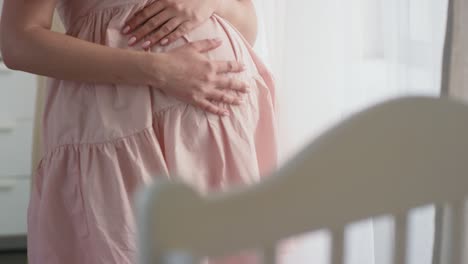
(40, 51)
(240, 13)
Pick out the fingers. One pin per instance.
(232, 84)
(142, 16)
(151, 25)
(222, 96)
(162, 32)
(206, 105)
(205, 45)
(229, 66)
(181, 30)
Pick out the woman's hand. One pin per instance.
(188, 75)
(164, 21)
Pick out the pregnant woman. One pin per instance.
(138, 89)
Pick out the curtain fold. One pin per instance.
(454, 78)
(447, 53)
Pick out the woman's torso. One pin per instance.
(86, 113)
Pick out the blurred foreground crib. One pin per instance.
(408, 152)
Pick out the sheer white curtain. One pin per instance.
(334, 57)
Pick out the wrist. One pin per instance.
(152, 68)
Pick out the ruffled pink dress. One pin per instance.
(103, 141)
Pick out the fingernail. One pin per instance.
(146, 44)
(164, 41)
(132, 41)
(126, 29)
(225, 113)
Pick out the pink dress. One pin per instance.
(103, 141)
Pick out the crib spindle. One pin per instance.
(269, 255)
(452, 235)
(458, 213)
(438, 226)
(179, 257)
(401, 238)
(337, 246)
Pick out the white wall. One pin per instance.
(17, 104)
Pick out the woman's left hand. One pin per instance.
(164, 21)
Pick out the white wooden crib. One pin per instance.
(407, 153)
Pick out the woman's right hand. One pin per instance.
(190, 76)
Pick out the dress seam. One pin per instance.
(142, 131)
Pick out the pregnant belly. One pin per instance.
(233, 48)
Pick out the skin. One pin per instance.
(164, 21)
(28, 44)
